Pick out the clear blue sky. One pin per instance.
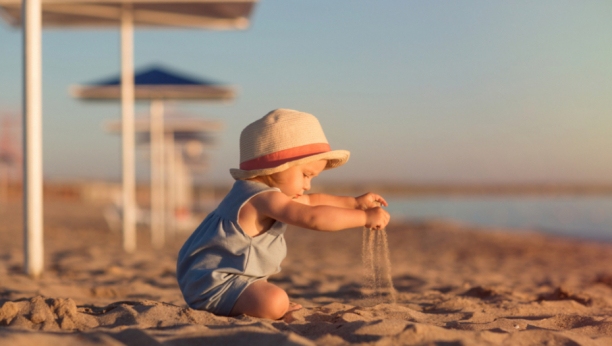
(418, 91)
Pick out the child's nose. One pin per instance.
(306, 185)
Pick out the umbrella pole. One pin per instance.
(32, 138)
(127, 127)
(170, 164)
(157, 173)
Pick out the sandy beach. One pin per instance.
(456, 285)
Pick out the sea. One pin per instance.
(584, 216)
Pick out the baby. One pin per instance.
(224, 265)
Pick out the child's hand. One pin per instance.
(376, 218)
(370, 200)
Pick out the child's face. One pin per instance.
(295, 180)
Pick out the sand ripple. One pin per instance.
(455, 286)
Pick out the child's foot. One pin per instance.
(294, 306)
(288, 315)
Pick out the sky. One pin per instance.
(418, 91)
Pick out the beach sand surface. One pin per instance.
(456, 285)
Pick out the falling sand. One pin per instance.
(375, 255)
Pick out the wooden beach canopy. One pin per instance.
(171, 182)
(179, 129)
(173, 124)
(32, 15)
(208, 14)
(156, 84)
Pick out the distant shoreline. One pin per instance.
(475, 189)
(101, 191)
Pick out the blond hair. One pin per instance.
(265, 179)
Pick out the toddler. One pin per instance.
(224, 265)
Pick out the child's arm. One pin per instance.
(363, 202)
(278, 206)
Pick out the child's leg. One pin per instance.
(263, 299)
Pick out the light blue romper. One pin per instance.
(219, 260)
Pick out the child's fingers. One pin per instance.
(379, 218)
(379, 199)
(382, 201)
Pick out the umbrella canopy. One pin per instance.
(157, 83)
(181, 128)
(207, 14)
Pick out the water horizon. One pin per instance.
(584, 217)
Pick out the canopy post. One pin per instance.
(183, 186)
(127, 134)
(157, 174)
(170, 182)
(32, 138)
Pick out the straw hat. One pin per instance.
(282, 139)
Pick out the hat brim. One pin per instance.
(335, 158)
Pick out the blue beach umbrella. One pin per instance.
(156, 84)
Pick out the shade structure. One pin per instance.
(208, 14)
(172, 124)
(156, 84)
(179, 129)
(185, 139)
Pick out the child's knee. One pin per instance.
(278, 303)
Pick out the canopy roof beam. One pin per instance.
(150, 17)
(206, 14)
(116, 2)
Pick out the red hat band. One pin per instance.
(283, 156)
